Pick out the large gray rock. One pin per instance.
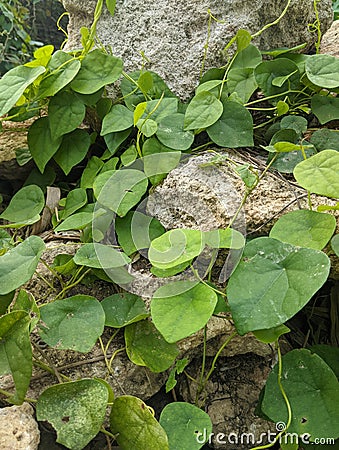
(173, 33)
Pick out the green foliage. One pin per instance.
(139, 137)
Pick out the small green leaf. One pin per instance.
(248, 57)
(40, 142)
(272, 282)
(92, 169)
(268, 71)
(325, 108)
(304, 228)
(323, 70)
(234, 128)
(319, 173)
(114, 140)
(335, 244)
(186, 425)
(329, 354)
(171, 132)
(73, 149)
(97, 70)
(100, 256)
(242, 81)
(76, 410)
(121, 191)
(76, 199)
(325, 139)
(77, 221)
(66, 112)
(148, 127)
(5, 301)
(175, 247)
(146, 347)
(135, 426)
(243, 39)
(18, 265)
(158, 160)
(16, 351)
(227, 238)
(111, 6)
(313, 393)
(25, 205)
(271, 334)
(129, 155)
(123, 309)
(293, 122)
(181, 308)
(74, 323)
(118, 119)
(203, 110)
(14, 83)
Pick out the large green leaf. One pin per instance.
(76, 410)
(74, 323)
(175, 247)
(62, 69)
(234, 128)
(146, 347)
(66, 112)
(171, 132)
(203, 110)
(100, 256)
(25, 205)
(249, 57)
(323, 70)
(272, 282)
(242, 81)
(304, 228)
(325, 108)
(121, 190)
(97, 70)
(73, 149)
(136, 231)
(16, 351)
(14, 83)
(40, 142)
(123, 309)
(118, 119)
(319, 173)
(186, 425)
(181, 308)
(277, 76)
(135, 426)
(313, 392)
(18, 265)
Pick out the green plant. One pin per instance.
(144, 134)
(336, 9)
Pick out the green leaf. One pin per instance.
(335, 244)
(234, 128)
(319, 173)
(136, 231)
(77, 221)
(323, 70)
(43, 180)
(5, 301)
(66, 112)
(203, 110)
(148, 127)
(271, 334)
(175, 247)
(171, 132)
(329, 354)
(129, 155)
(76, 410)
(114, 140)
(158, 160)
(121, 191)
(304, 228)
(242, 81)
(146, 347)
(227, 238)
(272, 282)
(18, 265)
(248, 58)
(186, 425)
(293, 122)
(25, 205)
(92, 169)
(123, 309)
(74, 323)
(16, 351)
(73, 149)
(97, 70)
(181, 308)
(313, 392)
(325, 108)
(76, 199)
(40, 142)
(111, 6)
(118, 119)
(243, 39)
(325, 139)
(62, 69)
(100, 256)
(14, 83)
(210, 85)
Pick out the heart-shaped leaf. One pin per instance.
(100, 256)
(203, 110)
(25, 205)
(123, 309)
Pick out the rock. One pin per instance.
(173, 34)
(330, 40)
(19, 430)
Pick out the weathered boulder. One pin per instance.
(173, 34)
(19, 430)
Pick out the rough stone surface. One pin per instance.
(330, 40)
(18, 429)
(172, 34)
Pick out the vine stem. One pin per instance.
(10, 394)
(275, 22)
